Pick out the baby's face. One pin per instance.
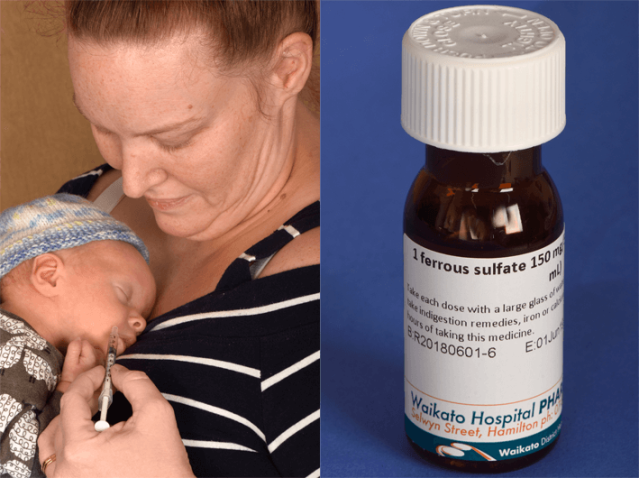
(109, 284)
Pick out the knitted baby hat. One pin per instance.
(57, 222)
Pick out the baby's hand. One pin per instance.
(81, 356)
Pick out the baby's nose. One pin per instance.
(137, 323)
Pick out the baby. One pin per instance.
(68, 273)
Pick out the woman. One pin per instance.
(195, 106)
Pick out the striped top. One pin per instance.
(240, 365)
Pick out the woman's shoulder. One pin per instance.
(92, 183)
(303, 247)
(303, 251)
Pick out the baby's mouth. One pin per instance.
(124, 343)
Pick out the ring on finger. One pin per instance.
(47, 462)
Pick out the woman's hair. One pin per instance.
(240, 32)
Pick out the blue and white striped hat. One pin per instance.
(57, 222)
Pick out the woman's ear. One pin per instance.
(293, 62)
(46, 272)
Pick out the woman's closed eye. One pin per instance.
(166, 147)
(179, 140)
(171, 148)
(103, 132)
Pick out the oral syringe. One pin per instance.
(106, 397)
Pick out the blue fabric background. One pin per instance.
(368, 164)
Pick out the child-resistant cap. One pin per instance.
(483, 78)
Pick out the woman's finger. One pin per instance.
(152, 418)
(88, 352)
(75, 411)
(46, 440)
(50, 470)
(136, 386)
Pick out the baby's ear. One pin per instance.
(46, 271)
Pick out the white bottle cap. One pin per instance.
(483, 78)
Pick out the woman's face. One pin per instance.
(189, 140)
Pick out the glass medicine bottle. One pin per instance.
(483, 87)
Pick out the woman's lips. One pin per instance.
(167, 204)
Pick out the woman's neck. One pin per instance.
(287, 179)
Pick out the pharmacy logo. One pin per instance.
(457, 450)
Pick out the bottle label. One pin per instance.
(483, 352)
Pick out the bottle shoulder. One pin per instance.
(470, 221)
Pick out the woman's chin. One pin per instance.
(189, 226)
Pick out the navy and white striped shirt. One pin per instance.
(240, 366)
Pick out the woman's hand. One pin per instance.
(80, 357)
(147, 445)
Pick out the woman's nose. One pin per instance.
(137, 323)
(140, 171)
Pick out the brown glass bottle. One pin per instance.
(450, 209)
